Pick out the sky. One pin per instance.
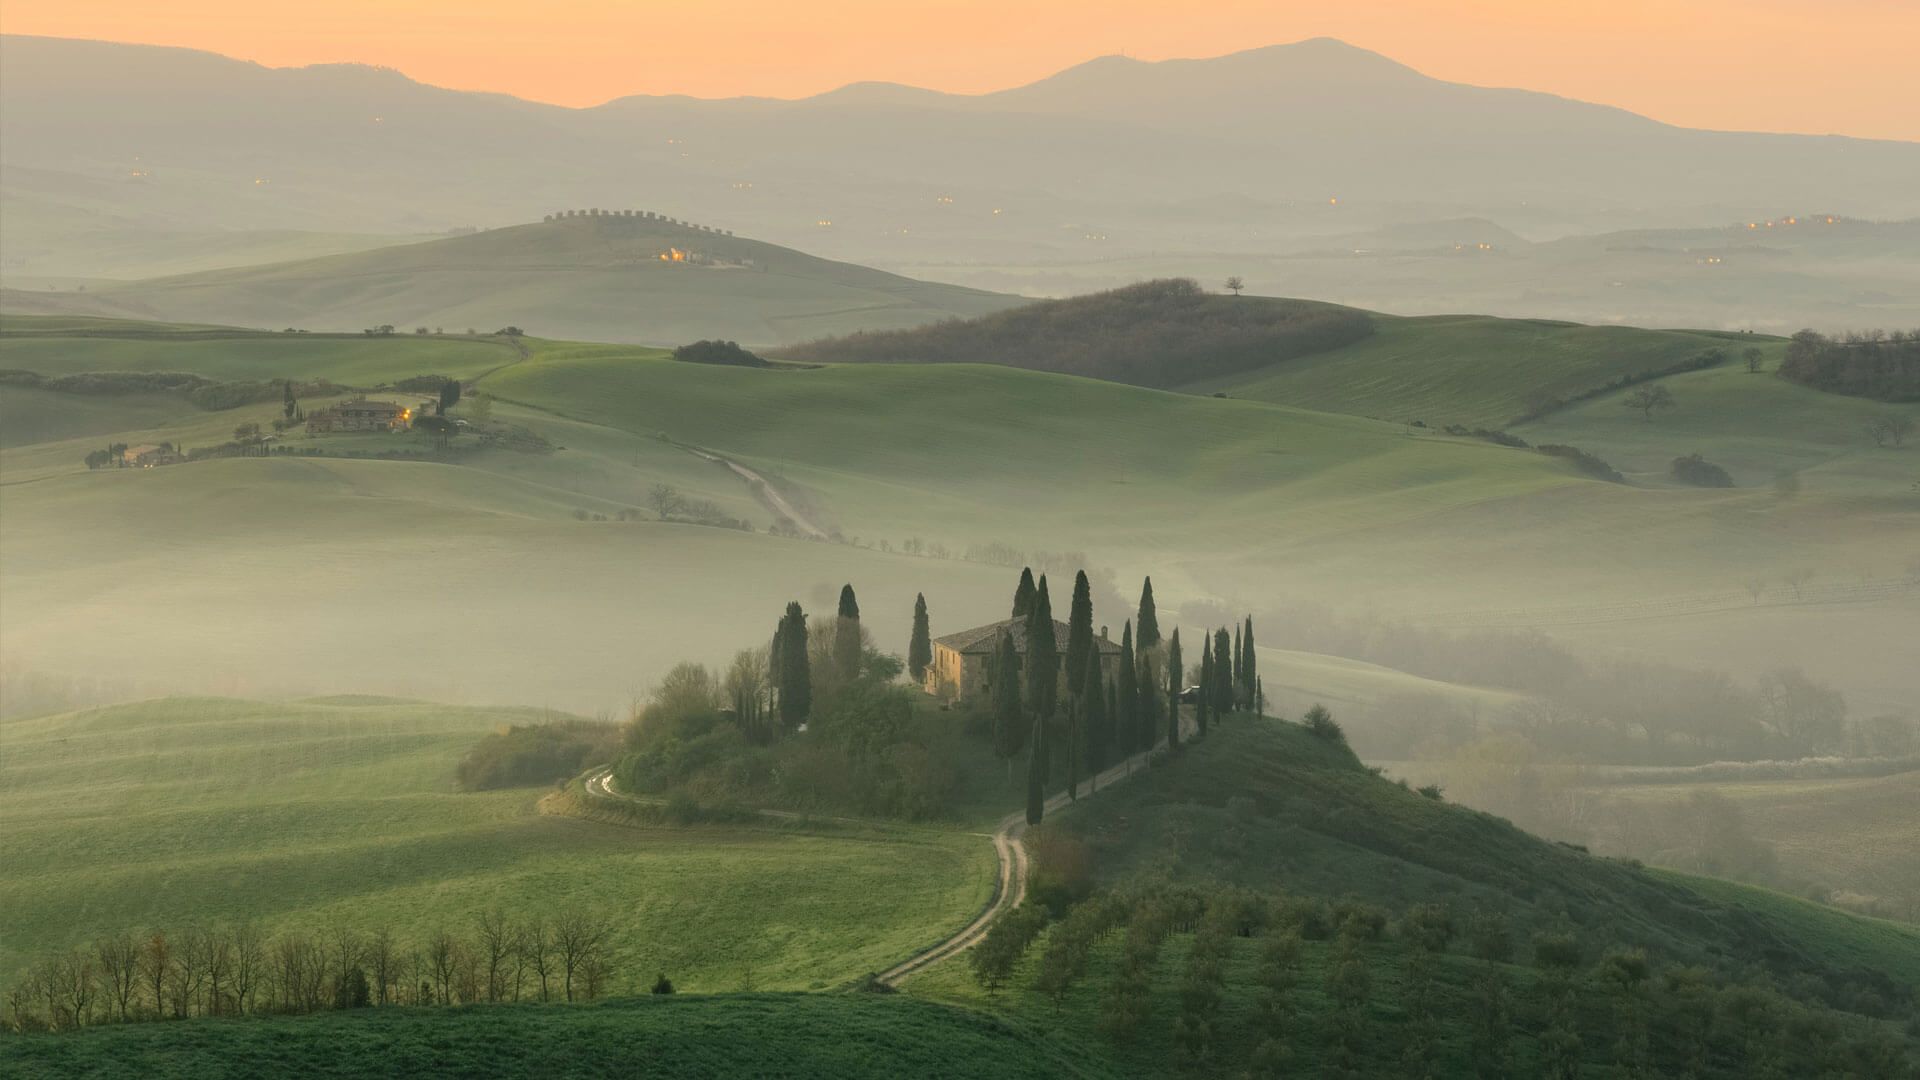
(1821, 66)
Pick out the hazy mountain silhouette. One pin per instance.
(1113, 155)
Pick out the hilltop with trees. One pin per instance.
(1158, 333)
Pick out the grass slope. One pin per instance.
(597, 278)
(1756, 426)
(789, 1035)
(1320, 823)
(1467, 369)
(63, 345)
(169, 812)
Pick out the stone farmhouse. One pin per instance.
(148, 455)
(363, 415)
(962, 662)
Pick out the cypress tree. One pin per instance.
(1147, 629)
(1126, 711)
(1205, 704)
(1043, 655)
(1173, 691)
(846, 637)
(1079, 634)
(1009, 723)
(1024, 595)
(1249, 667)
(1112, 717)
(1099, 734)
(796, 679)
(920, 647)
(1074, 735)
(1238, 657)
(776, 654)
(288, 405)
(1221, 686)
(1037, 772)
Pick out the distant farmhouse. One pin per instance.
(147, 455)
(363, 415)
(962, 662)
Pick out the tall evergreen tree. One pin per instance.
(1126, 712)
(776, 656)
(1205, 705)
(1221, 684)
(1037, 772)
(1009, 722)
(288, 406)
(1074, 734)
(1174, 679)
(1079, 634)
(1147, 625)
(846, 637)
(1024, 595)
(1113, 717)
(1043, 655)
(1238, 656)
(1097, 733)
(796, 679)
(1249, 667)
(920, 647)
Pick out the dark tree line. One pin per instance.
(1876, 364)
(240, 970)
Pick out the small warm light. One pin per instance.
(944, 200)
(1753, 224)
(1333, 202)
(825, 223)
(260, 180)
(996, 211)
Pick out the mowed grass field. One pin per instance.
(686, 1036)
(1474, 370)
(303, 814)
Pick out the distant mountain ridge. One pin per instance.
(1076, 162)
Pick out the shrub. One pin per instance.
(717, 352)
(1698, 471)
(524, 755)
(1322, 725)
(1583, 461)
(1062, 872)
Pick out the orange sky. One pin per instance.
(1780, 65)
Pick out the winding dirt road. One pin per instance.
(1009, 890)
(766, 492)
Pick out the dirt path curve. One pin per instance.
(1011, 889)
(766, 492)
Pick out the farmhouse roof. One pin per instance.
(984, 639)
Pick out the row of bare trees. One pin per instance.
(238, 970)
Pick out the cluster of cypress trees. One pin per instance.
(1102, 720)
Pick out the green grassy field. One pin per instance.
(301, 814)
(787, 1035)
(1469, 369)
(54, 345)
(1753, 425)
(593, 278)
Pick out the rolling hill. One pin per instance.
(1461, 369)
(610, 277)
(1299, 506)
